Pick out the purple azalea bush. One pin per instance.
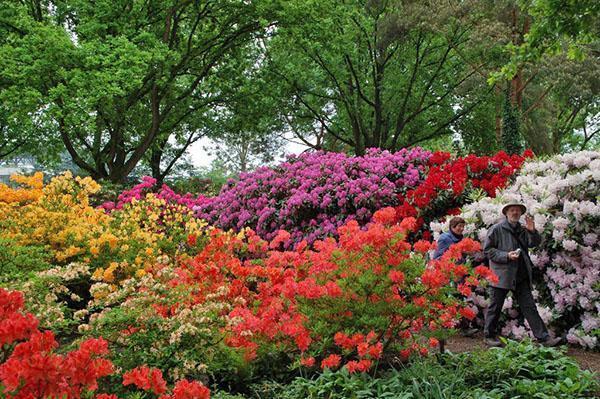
(312, 194)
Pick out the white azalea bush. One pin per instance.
(562, 193)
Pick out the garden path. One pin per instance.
(587, 359)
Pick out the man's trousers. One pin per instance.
(522, 294)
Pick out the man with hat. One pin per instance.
(507, 248)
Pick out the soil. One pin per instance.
(588, 360)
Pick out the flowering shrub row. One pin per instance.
(58, 218)
(30, 366)
(367, 298)
(450, 183)
(313, 194)
(562, 195)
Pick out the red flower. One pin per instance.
(185, 389)
(362, 349)
(528, 153)
(433, 342)
(146, 378)
(376, 350)
(439, 157)
(342, 340)
(331, 361)
(282, 237)
(405, 354)
(467, 313)
(385, 216)
(422, 246)
(464, 289)
(307, 361)
(408, 224)
(360, 366)
(396, 276)
(191, 240)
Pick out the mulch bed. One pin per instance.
(587, 359)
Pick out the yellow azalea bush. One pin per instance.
(59, 218)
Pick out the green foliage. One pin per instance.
(520, 370)
(567, 27)
(355, 75)
(18, 262)
(511, 134)
(117, 81)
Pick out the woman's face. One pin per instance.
(458, 229)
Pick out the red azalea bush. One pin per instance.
(450, 181)
(30, 366)
(367, 297)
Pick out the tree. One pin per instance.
(558, 27)
(118, 79)
(511, 135)
(245, 128)
(370, 73)
(551, 95)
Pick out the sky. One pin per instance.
(200, 157)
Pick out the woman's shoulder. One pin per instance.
(445, 236)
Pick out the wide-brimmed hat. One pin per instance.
(505, 207)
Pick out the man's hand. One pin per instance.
(529, 223)
(513, 255)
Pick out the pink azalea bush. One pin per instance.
(312, 194)
(148, 184)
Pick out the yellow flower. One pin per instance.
(98, 273)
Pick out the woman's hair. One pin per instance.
(456, 220)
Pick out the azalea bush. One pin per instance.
(368, 297)
(163, 319)
(31, 365)
(312, 194)
(562, 194)
(452, 182)
(57, 218)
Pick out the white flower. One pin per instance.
(570, 245)
(558, 235)
(590, 239)
(581, 160)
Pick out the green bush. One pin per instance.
(18, 262)
(520, 370)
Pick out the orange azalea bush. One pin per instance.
(241, 304)
(367, 297)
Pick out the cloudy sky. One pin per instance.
(201, 158)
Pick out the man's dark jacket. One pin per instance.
(502, 239)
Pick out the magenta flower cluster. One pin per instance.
(139, 191)
(312, 194)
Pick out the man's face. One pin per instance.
(513, 214)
